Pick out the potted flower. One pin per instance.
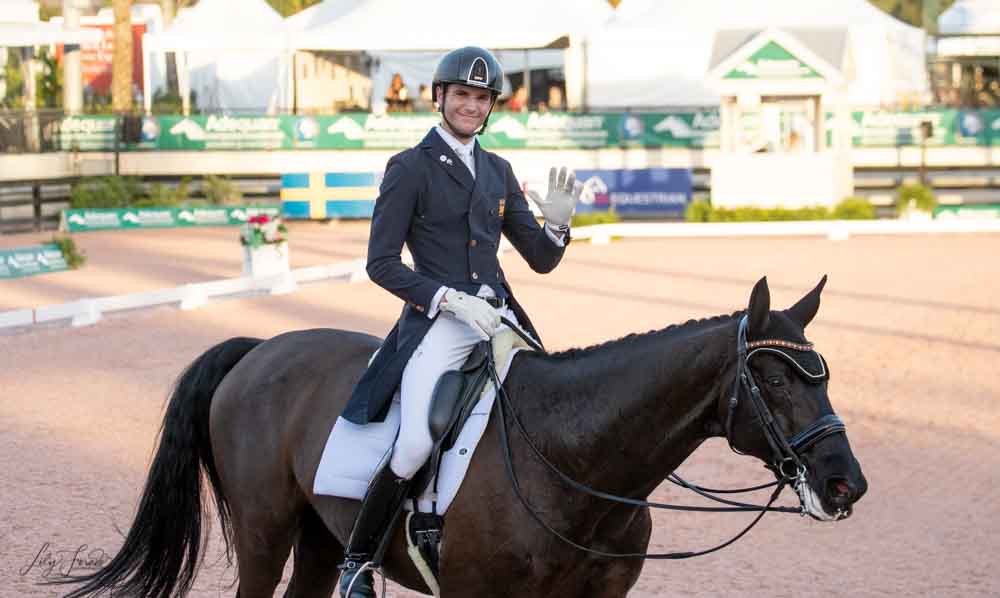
(265, 246)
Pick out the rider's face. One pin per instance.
(465, 109)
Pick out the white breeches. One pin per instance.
(446, 346)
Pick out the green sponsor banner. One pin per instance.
(507, 130)
(27, 261)
(970, 212)
(132, 218)
(86, 133)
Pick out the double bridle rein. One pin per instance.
(786, 463)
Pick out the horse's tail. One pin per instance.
(161, 552)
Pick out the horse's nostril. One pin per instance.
(839, 490)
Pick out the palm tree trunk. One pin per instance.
(121, 73)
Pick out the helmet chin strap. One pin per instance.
(451, 127)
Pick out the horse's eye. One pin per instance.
(774, 380)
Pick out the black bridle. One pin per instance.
(786, 452)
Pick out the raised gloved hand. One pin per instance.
(560, 202)
(473, 311)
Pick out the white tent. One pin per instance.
(409, 38)
(657, 53)
(971, 17)
(20, 26)
(43, 34)
(437, 25)
(233, 53)
(320, 15)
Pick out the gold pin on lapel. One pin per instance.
(502, 203)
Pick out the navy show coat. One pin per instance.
(451, 223)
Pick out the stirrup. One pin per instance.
(357, 569)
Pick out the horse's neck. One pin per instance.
(622, 417)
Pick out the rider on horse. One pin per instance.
(448, 200)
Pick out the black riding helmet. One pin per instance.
(472, 66)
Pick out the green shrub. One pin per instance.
(71, 253)
(106, 192)
(754, 214)
(854, 208)
(221, 190)
(592, 218)
(699, 210)
(164, 196)
(922, 197)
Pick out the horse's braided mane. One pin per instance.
(669, 331)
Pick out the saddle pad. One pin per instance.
(353, 453)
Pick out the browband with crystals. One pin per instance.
(780, 343)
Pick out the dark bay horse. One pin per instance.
(620, 417)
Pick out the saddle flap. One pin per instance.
(446, 395)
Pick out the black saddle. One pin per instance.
(455, 395)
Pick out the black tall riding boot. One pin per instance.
(382, 502)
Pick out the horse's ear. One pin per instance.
(805, 310)
(759, 311)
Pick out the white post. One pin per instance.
(72, 71)
(183, 82)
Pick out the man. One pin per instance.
(448, 200)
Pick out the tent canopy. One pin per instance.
(233, 53)
(42, 34)
(222, 25)
(321, 15)
(970, 17)
(657, 53)
(436, 25)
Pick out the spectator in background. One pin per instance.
(556, 103)
(398, 96)
(423, 102)
(519, 101)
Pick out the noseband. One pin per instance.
(786, 451)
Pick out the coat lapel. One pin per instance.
(437, 149)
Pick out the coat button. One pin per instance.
(492, 212)
(473, 243)
(475, 276)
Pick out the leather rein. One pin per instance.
(786, 463)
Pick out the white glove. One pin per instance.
(473, 311)
(560, 202)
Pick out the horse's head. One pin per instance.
(779, 411)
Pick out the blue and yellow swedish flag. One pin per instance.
(321, 195)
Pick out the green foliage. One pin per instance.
(854, 208)
(290, 7)
(754, 214)
(920, 196)
(912, 11)
(851, 208)
(165, 102)
(221, 190)
(592, 218)
(699, 210)
(165, 196)
(71, 253)
(106, 192)
(14, 95)
(49, 82)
